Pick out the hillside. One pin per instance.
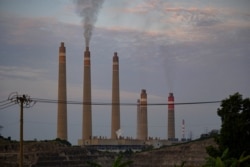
(54, 153)
(193, 153)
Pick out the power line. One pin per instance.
(7, 106)
(108, 103)
(12, 100)
(3, 101)
(6, 103)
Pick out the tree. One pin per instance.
(224, 161)
(117, 162)
(235, 128)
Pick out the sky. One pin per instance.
(197, 49)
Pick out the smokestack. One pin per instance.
(138, 119)
(115, 124)
(87, 114)
(171, 119)
(143, 122)
(183, 129)
(62, 95)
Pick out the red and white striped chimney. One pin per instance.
(171, 119)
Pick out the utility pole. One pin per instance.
(21, 131)
(26, 102)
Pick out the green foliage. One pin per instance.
(117, 162)
(235, 130)
(234, 136)
(225, 161)
(128, 152)
(212, 151)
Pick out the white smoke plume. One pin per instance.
(88, 10)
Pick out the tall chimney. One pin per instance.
(171, 119)
(87, 114)
(62, 95)
(138, 132)
(143, 134)
(115, 124)
(183, 129)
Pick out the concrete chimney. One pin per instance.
(115, 124)
(171, 119)
(183, 129)
(143, 124)
(62, 95)
(87, 114)
(138, 119)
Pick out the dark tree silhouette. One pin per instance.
(118, 162)
(235, 128)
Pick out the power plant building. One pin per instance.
(116, 139)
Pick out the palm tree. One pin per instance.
(225, 161)
(117, 163)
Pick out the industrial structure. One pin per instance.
(87, 113)
(62, 95)
(138, 121)
(183, 129)
(142, 116)
(115, 120)
(171, 119)
(115, 139)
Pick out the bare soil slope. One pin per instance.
(193, 153)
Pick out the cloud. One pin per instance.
(194, 16)
(145, 7)
(142, 8)
(159, 15)
(21, 72)
(27, 31)
(171, 24)
(25, 27)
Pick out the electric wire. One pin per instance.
(1, 108)
(11, 102)
(4, 101)
(8, 102)
(129, 104)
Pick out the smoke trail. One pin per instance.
(88, 10)
(169, 65)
